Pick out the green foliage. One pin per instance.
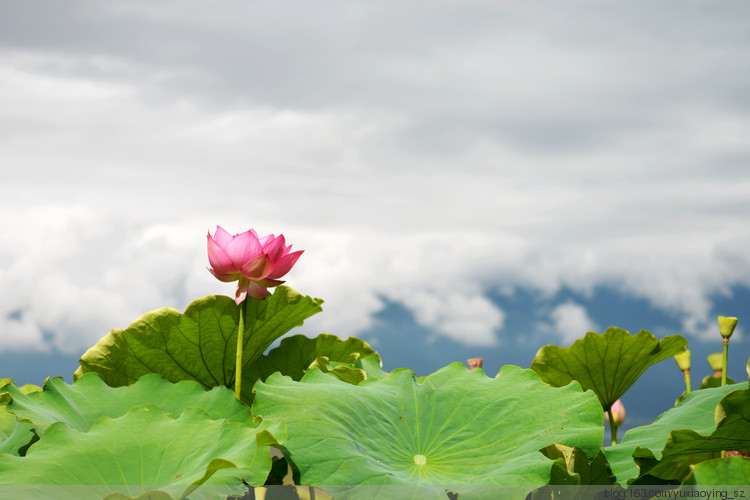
(152, 410)
(89, 398)
(725, 471)
(709, 381)
(607, 363)
(14, 435)
(685, 448)
(455, 426)
(351, 360)
(695, 412)
(583, 471)
(146, 446)
(199, 344)
(150, 434)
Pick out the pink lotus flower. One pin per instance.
(256, 262)
(618, 412)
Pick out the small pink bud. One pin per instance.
(256, 263)
(618, 413)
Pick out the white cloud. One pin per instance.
(81, 275)
(71, 274)
(468, 319)
(570, 321)
(352, 269)
(424, 167)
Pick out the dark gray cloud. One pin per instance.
(539, 78)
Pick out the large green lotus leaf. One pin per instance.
(695, 412)
(575, 469)
(199, 344)
(341, 371)
(295, 355)
(8, 391)
(607, 363)
(577, 463)
(29, 388)
(734, 403)
(143, 449)
(79, 405)
(373, 367)
(708, 382)
(686, 448)
(454, 427)
(8, 387)
(724, 471)
(14, 435)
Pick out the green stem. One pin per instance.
(240, 346)
(724, 363)
(686, 373)
(612, 426)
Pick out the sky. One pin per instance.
(466, 178)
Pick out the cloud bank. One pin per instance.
(424, 157)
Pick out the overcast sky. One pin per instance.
(421, 153)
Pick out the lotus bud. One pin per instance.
(683, 363)
(715, 361)
(618, 413)
(727, 326)
(474, 363)
(683, 360)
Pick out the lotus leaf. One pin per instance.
(79, 405)
(695, 412)
(724, 471)
(709, 381)
(142, 449)
(199, 344)
(351, 360)
(454, 427)
(607, 363)
(14, 435)
(589, 472)
(734, 403)
(686, 448)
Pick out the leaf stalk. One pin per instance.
(240, 347)
(724, 362)
(612, 426)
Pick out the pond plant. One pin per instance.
(196, 405)
(683, 363)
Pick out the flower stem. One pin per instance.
(724, 363)
(686, 373)
(612, 426)
(240, 346)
